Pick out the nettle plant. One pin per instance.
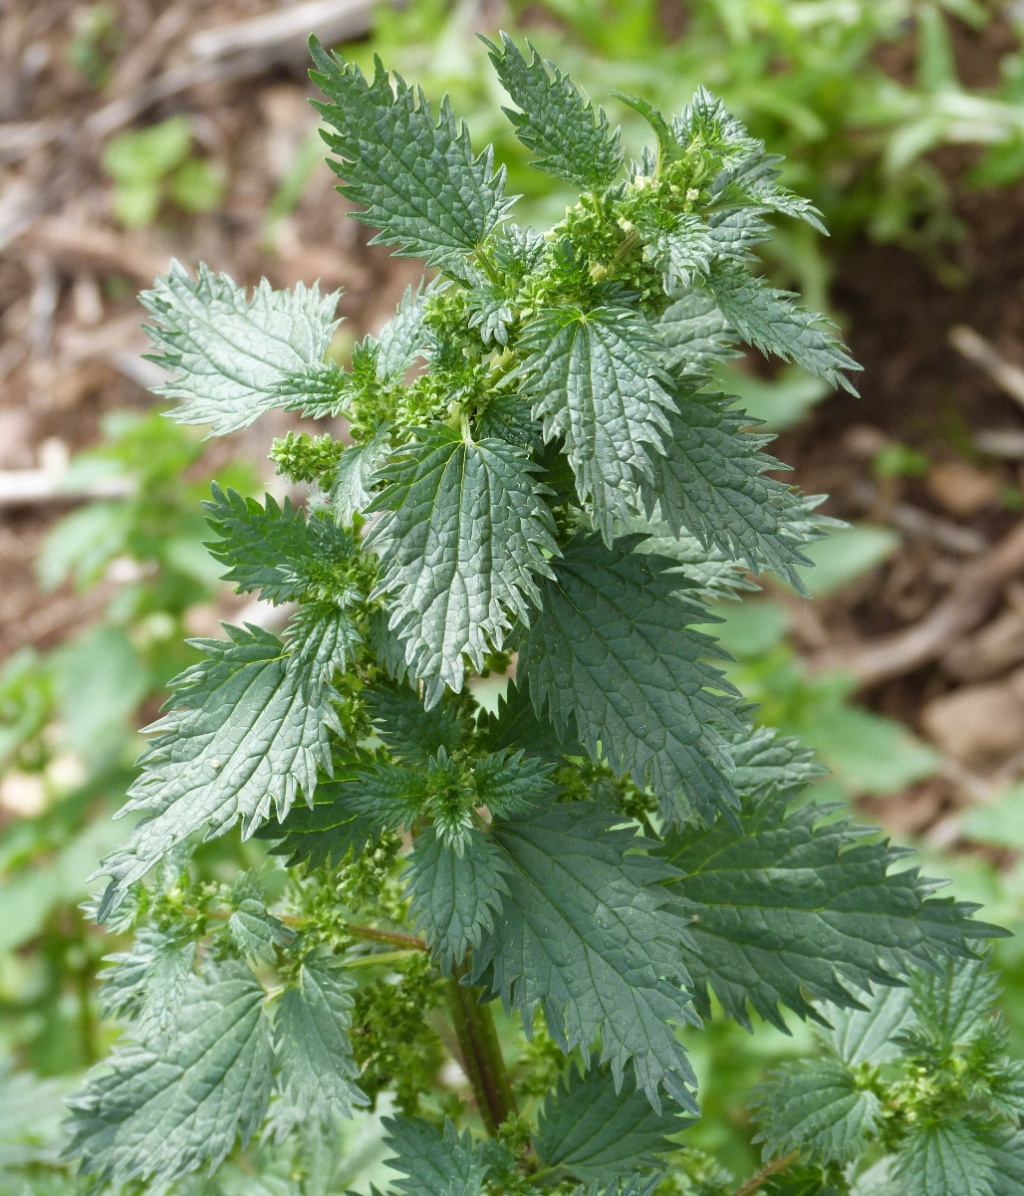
(540, 472)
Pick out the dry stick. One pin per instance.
(243, 50)
(963, 608)
(986, 356)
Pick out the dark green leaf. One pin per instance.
(808, 905)
(614, 650)
(464, 536)
(597, 1132)
(570, 137)
(586, 932)
(416, 176)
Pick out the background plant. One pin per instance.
(642, 288)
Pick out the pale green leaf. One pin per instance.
(816, 1108)
(276, 549)
(713, 482)
(234, 357)
(432, 1164)
(168, 1105)
(868, 1035)
(147, 982)
(594, 380)
(948, 1157)
(455, 891)
(245, 734)
(317, 1081)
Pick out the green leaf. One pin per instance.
(868, 1035)
(954, 1000)
(409, 731)
(234, 357)
(147, 982)
(352, 484)
(253, 930)
(455, 891)
(597, 1131)
(276, 550)
(161, 1108)
(693, 336)
(571, 138)
(614, 650)
(322, 638)
(712, 482)
(327, 831)
(594, 380)
(944, 1157)
(318, 1073)
(517, 722)
(817, 1109)
(808, 905)
(416, 177)
(768, 762)
(1006, 1151)
(463, 537)
(245, 732)
(770, 320)
(433, 1164)
(586, 932)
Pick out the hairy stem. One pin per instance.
(480, 1055)
(773, 1168)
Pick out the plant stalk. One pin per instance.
(480, 1055)
(780, 1164)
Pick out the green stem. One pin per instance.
(480, 1055)
(755, 1182)
(408, 942)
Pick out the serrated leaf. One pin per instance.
(754, 183)
(454, 894)
(773, 322)
(953, 1001)
(404, 338)
(571, 138)
(253, 930)
(769, 762)
(868, 1035)
(445, 1164)
(352, 483)
(948, 1157)
(614, 651)
(1006, 1151)
(416, 177)
(713, 482)
(275, 550)
(816, 1108)
(164, 1107)
(409, 731)
(598, 1133)
(245, 733)
(712, 574)
(463, 537)
(585, 932)
(146, 983)
(687, 248)
(594, 380)
(318, 1073)
(322, 638)
(516, 722)
(325, 832)
(233, 357)
(810, 907)
(693, 336)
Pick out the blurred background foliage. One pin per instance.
(888, 113)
